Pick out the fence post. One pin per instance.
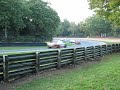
(115, 48)
(94, 57)
(5, 68)
(119, 47)
(111, 49)
(37, 62)
(74, 56)
(105, 50)
(101, 54)
(85, 54)
(59, 60)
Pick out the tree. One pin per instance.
(11, 15)
(64, 28)
(110, 9)
(67, 28)
(43, 18)
(95, 26)
(28, 18)
(72, 28)
(78, 32)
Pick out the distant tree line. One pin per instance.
(94, 26)
(27, 20)
(70, 29)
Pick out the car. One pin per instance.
(56, 44)
(75, 42)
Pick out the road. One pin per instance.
(84, 43)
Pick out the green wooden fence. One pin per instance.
(1, 68)
(17, 65)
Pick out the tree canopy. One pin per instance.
(95, 26)
(28, 18)
(110, 9)
(92, 26)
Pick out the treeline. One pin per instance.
(36, 21)
(27, 20)
(94, 26)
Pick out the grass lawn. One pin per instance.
(27, 47)
(69, 44)
(104, 75)
(21, 47)
(110, 42)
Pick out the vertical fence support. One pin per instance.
(59, 60)
(105, 50)
(101, 54)
(93, 52)
(85, 54)
(110, 48)
(37, 62)
(119, 47)
(74, 56)
(5, 68)
(115, 47)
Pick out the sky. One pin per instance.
(72, 10)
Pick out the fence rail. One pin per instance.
(17, 65)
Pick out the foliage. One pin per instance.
(71, 29)
(11, 15)
(116, 31)
(28, 17)
(110, 9)
(64, 28)
(92, 26)
(95, 26)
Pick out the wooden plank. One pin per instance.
(48, 60)
(46, 54)
(19, 66)
(66, 57)
(21, 57)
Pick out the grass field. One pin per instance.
(104, 75)
(110, 42)
(27, 47)
(21, 47)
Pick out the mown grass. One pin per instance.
(69, 44)
(110, 42)
(21, 47)
(104, 75)
(28, 47)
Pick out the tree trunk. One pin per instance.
(6, 32)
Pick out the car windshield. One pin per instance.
(60, 42)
